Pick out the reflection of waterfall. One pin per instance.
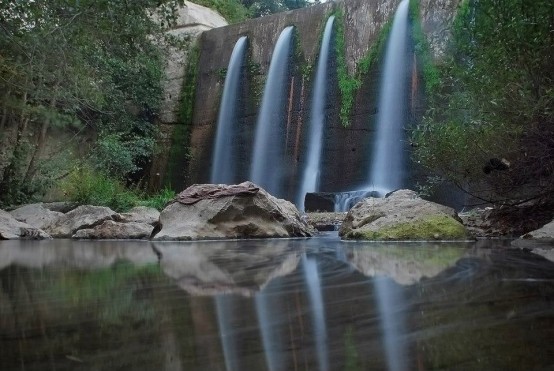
(267, 310)
(318, 311)
(390, 301)
(228, 341)
(224, 155)
(387, 165)
(317, 119)
(267, 157)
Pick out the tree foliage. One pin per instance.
(495, 103)
(88, 66)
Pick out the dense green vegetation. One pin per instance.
(490, 126)
(239, 10)
(90, 71)
(81, 88)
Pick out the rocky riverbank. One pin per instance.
(247, 211)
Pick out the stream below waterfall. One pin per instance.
(293, 304)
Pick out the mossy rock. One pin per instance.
(434, 227)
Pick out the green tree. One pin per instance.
(88, 66)
(490, 126)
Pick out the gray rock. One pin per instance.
(257, 215)
(402, 215)
(36, 215)
(542, 237)
(141, 214)
(110, 230)
(12, 229)
(83, 217)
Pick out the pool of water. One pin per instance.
(313, 304)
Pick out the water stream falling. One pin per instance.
(387, 165)
(267, 157)
(317, 120)
(224, 155)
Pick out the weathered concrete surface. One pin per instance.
(436, 18)
(345, 148)
(192, 20)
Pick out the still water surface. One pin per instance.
(317, 304)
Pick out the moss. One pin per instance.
(430, 71)
(349, 84)
(179, 153)
(436, 227)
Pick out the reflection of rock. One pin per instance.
(242, 267)
(212, 211)
(401, 215)
(406, 264)
(12, 229)
(38, 254)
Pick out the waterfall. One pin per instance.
(267, 157)
(224, 154)
(387, 167)
(317, 119)
(313, 282)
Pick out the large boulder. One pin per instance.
(36, 215)
(83, 217)
(402, 215)
(110, 230)
(12, 229)
(211, 211)
(542, 237)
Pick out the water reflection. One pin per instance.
(316, 304)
